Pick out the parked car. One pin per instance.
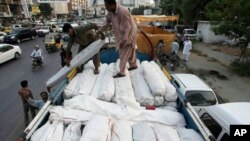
(8, 52)
(16, 26)
(43, 31)
(220, 118)
(195, 90)
(2, 34)
(18, 35)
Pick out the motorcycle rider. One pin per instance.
(37, 54)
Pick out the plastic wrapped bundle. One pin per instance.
(91, 104)
(97, 129)
(143, 132)
(107, 89)
(141, 89)
(152, 76)
(72, 132)
(121, 131)
(165, 133)
(189, 135)
(99, 81)
(124, 93)
(38, 134)
(170, 94)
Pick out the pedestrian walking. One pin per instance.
(25, 94)
(186, 49)
(182, 40)
(125, 34)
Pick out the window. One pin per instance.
(211, 124)
(201, 98)
(225, 137)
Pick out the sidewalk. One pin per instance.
(234, 89)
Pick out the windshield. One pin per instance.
(191, 32)
(15, 32)
(44, 27)
(49, 39)
(201, 98)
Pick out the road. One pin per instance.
(14, 71)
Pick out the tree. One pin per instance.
(193, 10)
(231, 18)
(45, 9)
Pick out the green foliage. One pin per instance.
(140, 10)
(45, 9)
(243, 68)
(231, 18)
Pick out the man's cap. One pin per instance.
(36, 46)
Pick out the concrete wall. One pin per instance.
(204, 31)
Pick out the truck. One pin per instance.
(186, 31)
(109, 56)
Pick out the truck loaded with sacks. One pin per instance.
(142, 106)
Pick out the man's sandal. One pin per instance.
(96, 72)
(132, 68)
(118, 75)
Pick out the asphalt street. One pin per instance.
(14, 71)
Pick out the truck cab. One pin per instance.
(196, 91)
(218, 118)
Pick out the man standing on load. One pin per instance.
(83, 35)
(125, 34)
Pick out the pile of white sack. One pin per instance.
(101, 108)
(103, 128)
(137, 88)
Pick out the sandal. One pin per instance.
(118, 75)
(132, 68)
(96, 72)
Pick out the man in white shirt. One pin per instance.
(37, 53)
(186, 49)
(174, 47)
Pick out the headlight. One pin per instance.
(13, 37)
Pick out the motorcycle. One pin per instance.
(172, 58)
(36, 62)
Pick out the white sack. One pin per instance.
(165, 133)
(107, 89)
(59, 113)
(48, 134)
(72, 132)
(88, 83)
(152, 76)
(72, 87)
(57, 134)
(162, 116)
(141, 89)
(38, 134)
(143, 132)
(121, 131)
(91, 104)
(79, 59)
(124, 93)
(99, 81)
(97, 129)
(158, 100)
(171, 94)
(189, 135)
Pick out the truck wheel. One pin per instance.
(17, 55)
(18, 41)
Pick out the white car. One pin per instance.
(8, 52)
(43, 31)
(2, 34)
(197, 92)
